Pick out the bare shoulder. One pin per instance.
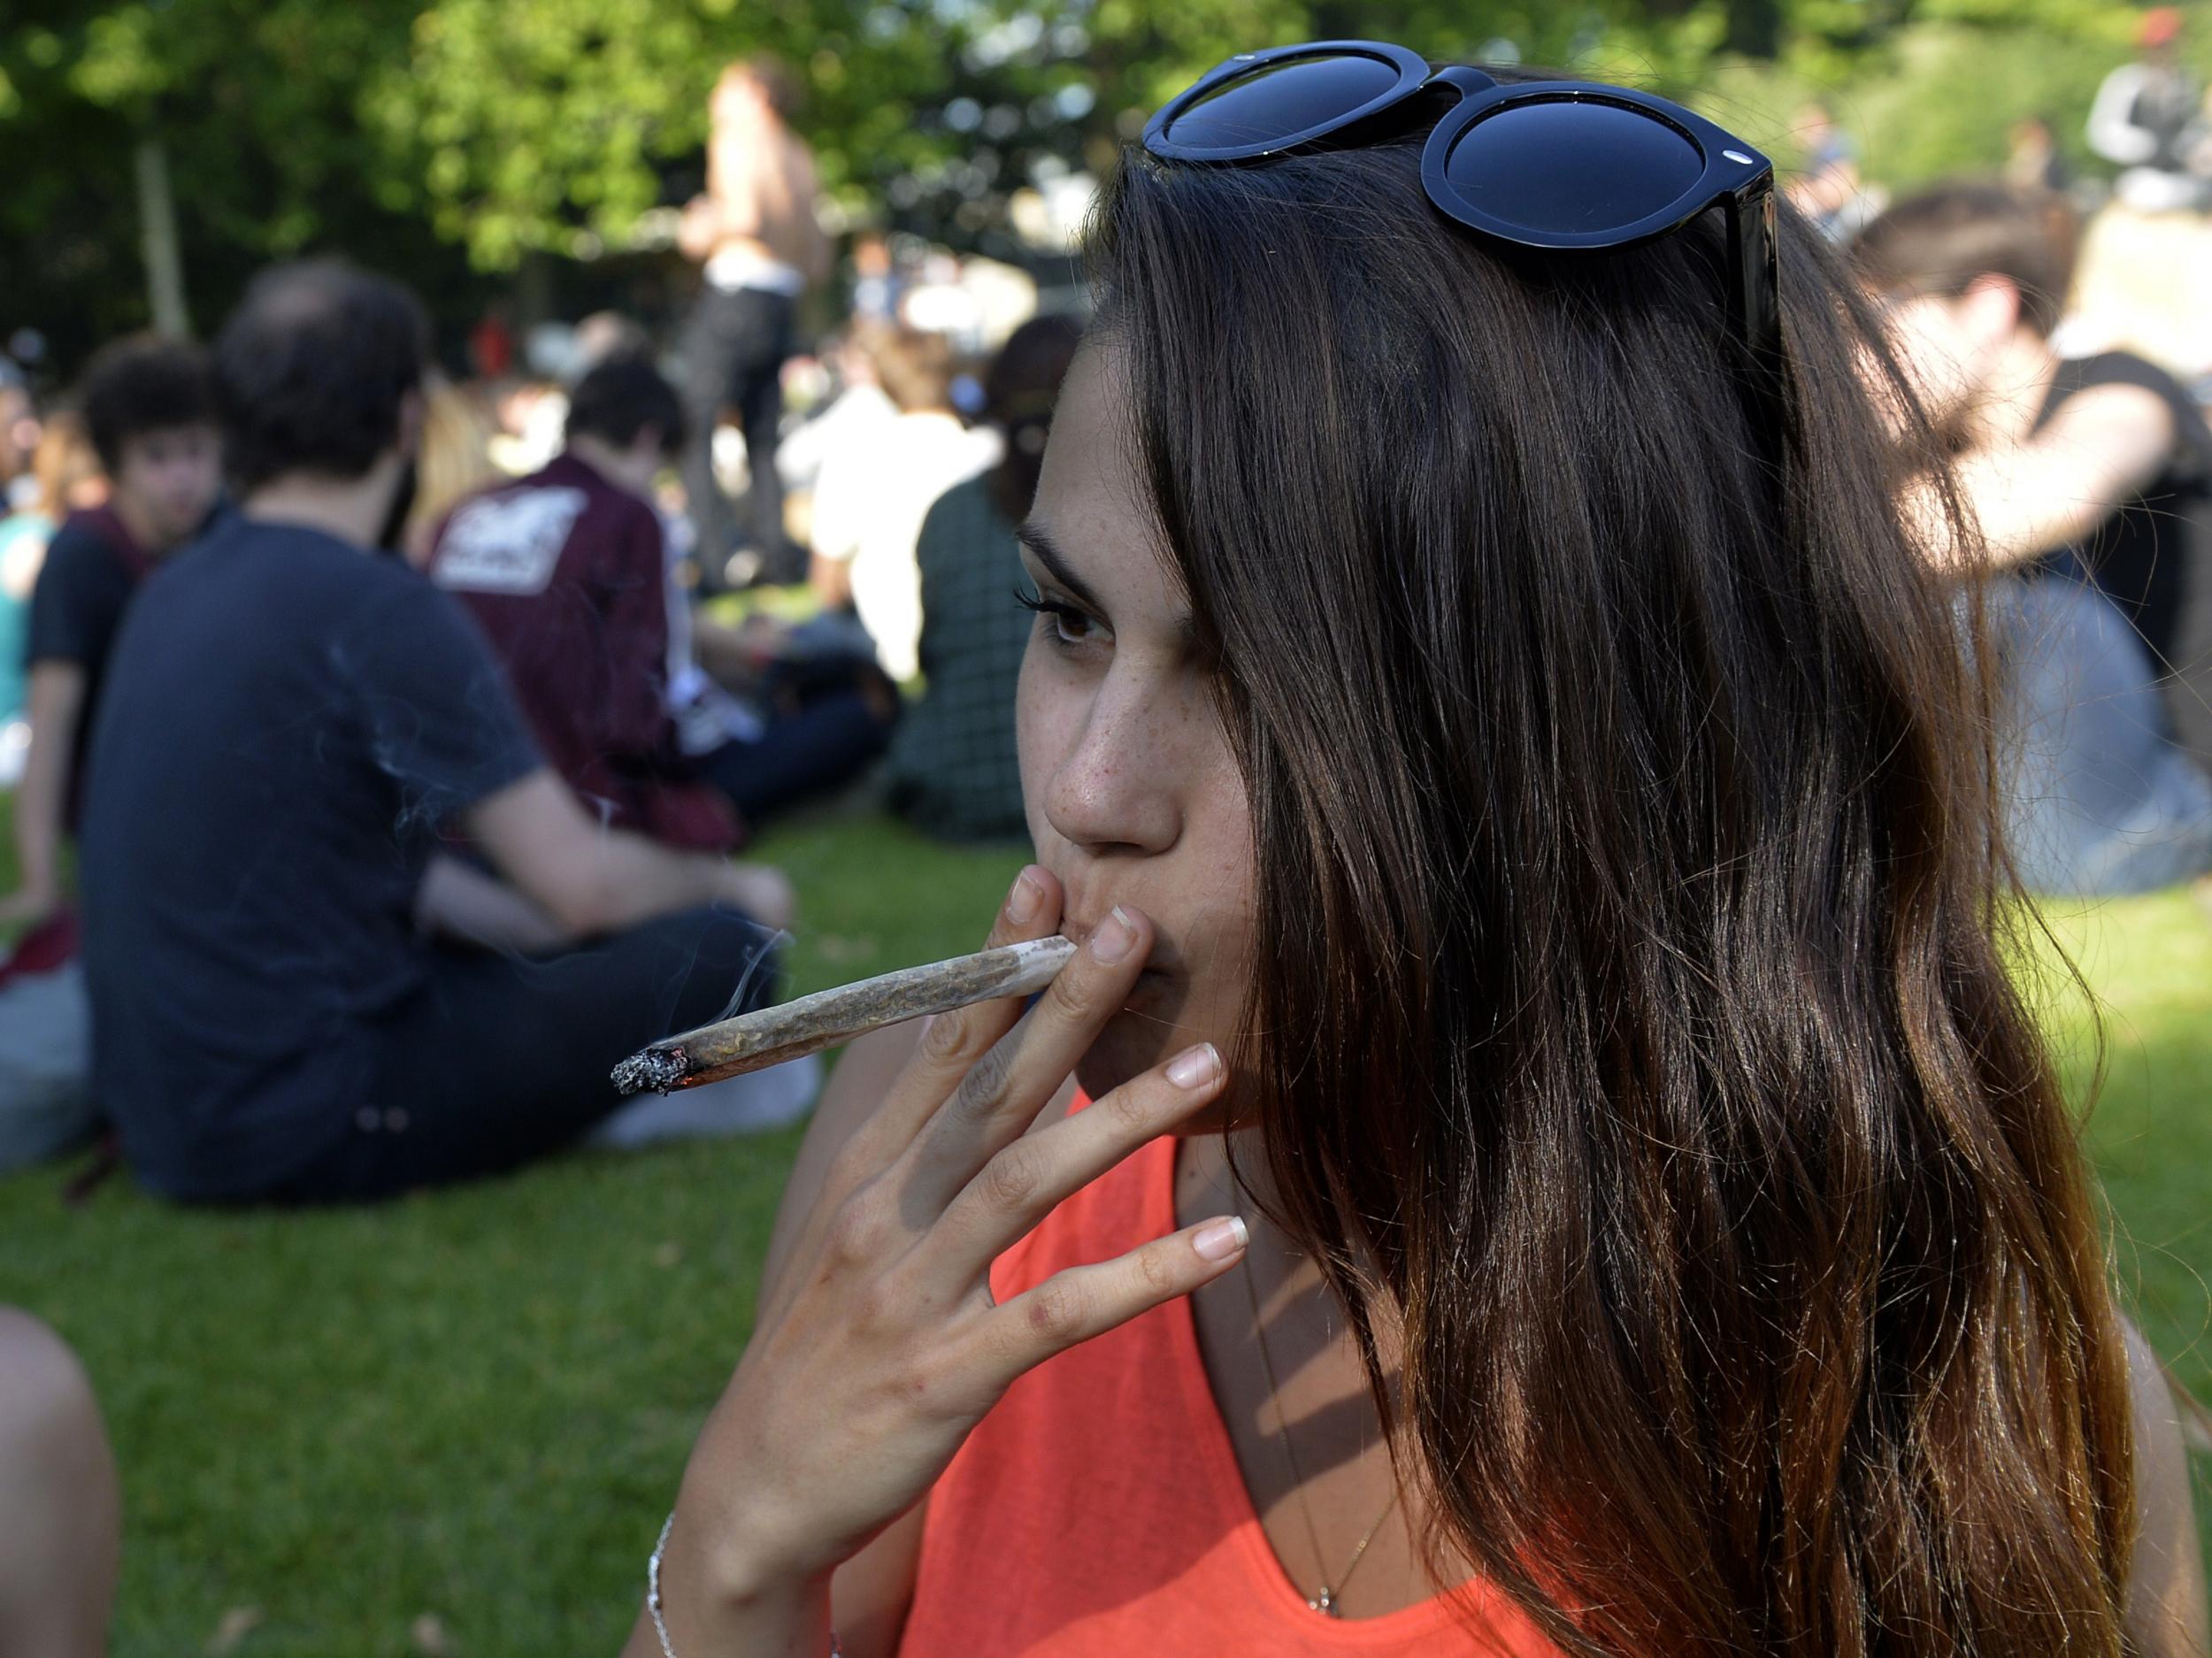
(46, 1401)
(2166, 1615)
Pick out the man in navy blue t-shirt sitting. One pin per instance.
(282, 736)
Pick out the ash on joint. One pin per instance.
(658, 1068)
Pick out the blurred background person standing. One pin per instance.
(2033, 161)
(1828, 189)
(2145, 120)
(754, 235)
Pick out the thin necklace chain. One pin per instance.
(1326, 1601)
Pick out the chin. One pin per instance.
(1128, 1047)
(1132, 1044)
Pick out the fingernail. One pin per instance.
(1114, 939)
(1021, 904)
(1221, 1239)
(1195, 1067)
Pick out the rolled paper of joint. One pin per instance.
(830, 1016)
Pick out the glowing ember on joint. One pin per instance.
(652, 1069)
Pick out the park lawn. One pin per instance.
(471, 1406)
(454, 1424)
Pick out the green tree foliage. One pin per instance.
(1936, 94)
(455, 141)
(555, 124)
(253, 102)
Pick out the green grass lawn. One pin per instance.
(473, 1407)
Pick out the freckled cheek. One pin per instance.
(1048, 717)
(1203, 897)
(1219, 867)
(1218, 960)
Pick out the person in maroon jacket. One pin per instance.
(566, 570)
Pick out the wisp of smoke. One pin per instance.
(775, 941)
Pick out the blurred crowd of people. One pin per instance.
(545, 755)
(385, 712)
(382, 740)
(2090, 479)
(314, 850)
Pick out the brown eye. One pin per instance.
(1066, 625)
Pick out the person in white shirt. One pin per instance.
(852, 417)
(870, 501)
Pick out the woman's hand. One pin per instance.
(882, 1347)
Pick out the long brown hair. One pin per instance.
(1623, 816)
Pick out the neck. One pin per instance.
(351, 509)
(627, 468)
(1234, 1174)
(1280, 1264)
(2012, 395)
(140, 526)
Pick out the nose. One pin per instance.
(1118, 788)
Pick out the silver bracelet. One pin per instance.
(653, 1593)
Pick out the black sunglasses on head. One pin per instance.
(1556, 164)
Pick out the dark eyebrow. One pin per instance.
(1039, 541)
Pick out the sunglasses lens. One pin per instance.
(1571, 166)
(1281, 100)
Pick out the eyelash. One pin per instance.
(1062, 615)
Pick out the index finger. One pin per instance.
(951, 1043)
(1079, 1303)
(863, 1124)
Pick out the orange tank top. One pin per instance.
(1099, 1511)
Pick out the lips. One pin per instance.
(1164, 963)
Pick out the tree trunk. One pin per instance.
(158, 233)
